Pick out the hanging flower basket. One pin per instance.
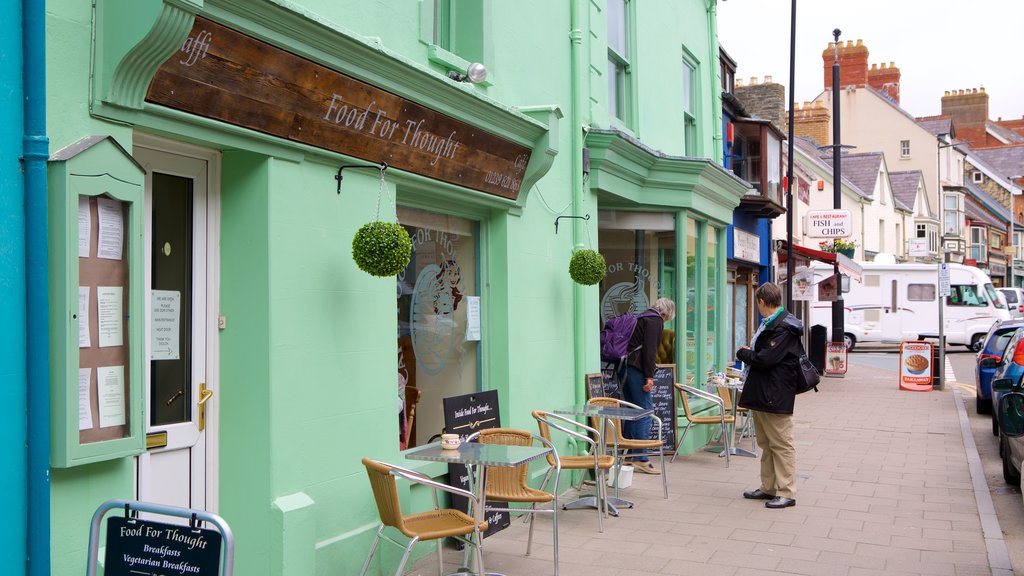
(838, 245)
(382, 248)
(587, 267)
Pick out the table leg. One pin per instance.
(478, 516)
(733, 450)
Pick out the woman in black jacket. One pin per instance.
(769, 390)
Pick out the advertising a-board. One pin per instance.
(916, 366)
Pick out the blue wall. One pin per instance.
(13, 379)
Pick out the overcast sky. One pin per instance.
(938, 45)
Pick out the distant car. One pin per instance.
(1011, 435)
(994, 344)
(1014, 301)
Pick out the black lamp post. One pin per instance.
(838, 327)
(789, 162)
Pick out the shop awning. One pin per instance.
(819, 255)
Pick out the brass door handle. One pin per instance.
(204, 396)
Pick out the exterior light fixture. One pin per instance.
(476, 73)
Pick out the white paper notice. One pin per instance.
(84, 227)
(108, 304)
(111, 229)
(110, 385)
(472, 318)
(164, 332)
(84, 340)
(84, 411)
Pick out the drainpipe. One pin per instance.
(35, 154)
(579, 97)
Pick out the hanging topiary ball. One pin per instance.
(382, 248)
(587, 267)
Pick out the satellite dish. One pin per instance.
(884, 258)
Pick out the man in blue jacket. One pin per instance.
(772, 367)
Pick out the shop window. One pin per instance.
(692, 316)
(437, 350)
(639, 248)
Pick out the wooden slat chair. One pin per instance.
(436, 524)
(508, 484)
(722, 419)
(592, 460)
(745, 422)
(620, 445)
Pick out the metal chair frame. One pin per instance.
(620, 444)
(392, 501)
(722, 418)
(523, 471)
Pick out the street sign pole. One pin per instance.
(943, 281)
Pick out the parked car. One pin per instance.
(1011, 437)
(1009, 367)
(994, 344)
(1014, 301)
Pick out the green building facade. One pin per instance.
(213, 161)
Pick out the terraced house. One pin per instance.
(211, 343)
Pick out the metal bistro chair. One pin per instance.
(507, 484)
(744, 421)
(619, 444)
(593, 460)
(722, 419)
(436, 524)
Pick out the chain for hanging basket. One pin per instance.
(382, 248)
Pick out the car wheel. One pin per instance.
(975, 345)
(1010, 474)
(983, 405)
(850, 341)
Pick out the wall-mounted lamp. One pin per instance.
(476, 73)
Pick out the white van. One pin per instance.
(895, 302)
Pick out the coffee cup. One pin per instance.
(450, 441)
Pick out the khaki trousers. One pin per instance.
(778, 455)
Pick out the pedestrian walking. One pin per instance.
(640, 367)
(771, 369)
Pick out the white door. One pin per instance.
(180, 464)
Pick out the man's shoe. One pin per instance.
(645, 467)
(757, 495)
(780, 502)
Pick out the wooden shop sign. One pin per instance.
(225, 75)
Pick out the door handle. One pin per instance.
(204, 396)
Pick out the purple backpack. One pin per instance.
(616, 334)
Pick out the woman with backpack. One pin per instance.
(640, 367)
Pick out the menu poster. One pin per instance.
(111, 229)
(84, 401)
(464, 415)
(84, 227)
(109, 305)
(84, 340)
(835, 358)
(110, 385)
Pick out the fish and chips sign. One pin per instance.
(828, 224)
(225, 75)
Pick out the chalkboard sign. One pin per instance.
(603, 384)
(146, 548)
(464, 415)
(665, 404)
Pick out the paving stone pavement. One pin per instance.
(884, 488)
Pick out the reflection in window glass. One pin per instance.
(711, 273)
(639, 249)
(433, 354)
(965, 295)
(921, 292)
(691, 291)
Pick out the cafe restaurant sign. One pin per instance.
(225, 75)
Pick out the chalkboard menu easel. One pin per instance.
(464, 415)
(665, 404)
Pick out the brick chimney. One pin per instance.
(813, 120)
(853, 64)
(766, 100)
(967, 107)
(885, 79)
